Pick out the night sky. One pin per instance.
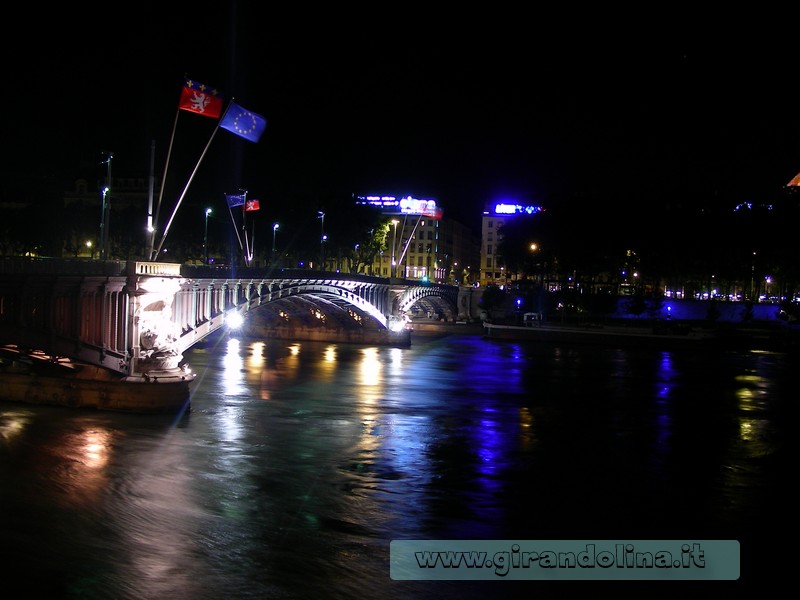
(463, 108)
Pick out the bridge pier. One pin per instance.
(153, 330)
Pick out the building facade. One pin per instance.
(423, 244)
(493, 270)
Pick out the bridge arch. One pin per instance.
(438, 299)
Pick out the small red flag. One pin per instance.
(251, 205)
(200, 99)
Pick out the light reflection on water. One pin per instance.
(299, 462)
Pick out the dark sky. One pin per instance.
(463, 108)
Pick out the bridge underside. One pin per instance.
(313, 310)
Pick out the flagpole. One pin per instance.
(252, 242)
(244, 231)
(150, 224)
(188, 183)
(236, 229)
(248, 257)
(163, 182)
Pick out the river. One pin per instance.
(299, 463)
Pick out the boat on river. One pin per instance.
(36, 378)
(612, 335)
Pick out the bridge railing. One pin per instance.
(63, 266)
(154, 269)
(229, 272)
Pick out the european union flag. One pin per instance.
(243, 122)
(234, 200)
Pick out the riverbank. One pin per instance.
(779, 337)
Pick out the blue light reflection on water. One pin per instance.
(300, 461)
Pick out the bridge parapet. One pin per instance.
(28, 265)
(154, 269)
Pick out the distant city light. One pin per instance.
(514, 209)
(404, 206)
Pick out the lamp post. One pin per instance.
(205, 235)
(321, 215)
(394, 244)
(103, 224)
(274, 232)
(106, 214)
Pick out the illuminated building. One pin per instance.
(492, 269)
(424, 245)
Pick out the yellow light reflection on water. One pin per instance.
(369, 375)
(12, 424)
(327, 366)
(396, 361)
(255, 359)
(753, 421)
(85, 454)
(95, 448)
(369, 369)
(292, 362)
(233, 365)
(527, 435)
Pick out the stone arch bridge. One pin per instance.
(133, 317)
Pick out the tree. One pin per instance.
(493, 297)
(636, 305)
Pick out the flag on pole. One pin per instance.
(434, 213)
(234, 200)
(200, 99)
(251, 205)
(243, 122)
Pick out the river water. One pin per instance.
(300, 462)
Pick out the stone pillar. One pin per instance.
(154, 333)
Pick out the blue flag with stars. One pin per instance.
(243, 122)
(234, 200)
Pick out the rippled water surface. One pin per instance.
(300, 462)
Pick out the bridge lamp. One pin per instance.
(234, 320)
(397, 325)
(205, 235)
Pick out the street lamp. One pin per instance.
(536, 265)
(394, 243)
(105, 217)
(205, 235)
(321, 215)
(104, 224)
(274, 231)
